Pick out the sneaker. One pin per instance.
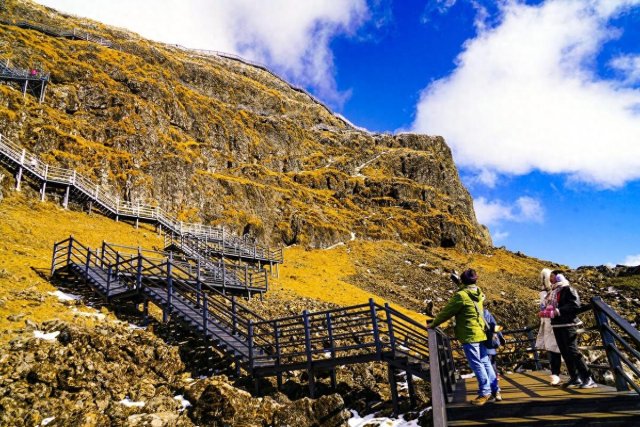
(572, 383)
(481, 400)
(589, 383)
(495, 397)
(555, 380)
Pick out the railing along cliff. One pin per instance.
(29, 164)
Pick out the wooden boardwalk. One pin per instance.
(311, 341)
(529, 400)
(32, 81)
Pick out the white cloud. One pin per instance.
(629, 66)
(524, 209)
(292, 36)
(631, 260)
(499, 236)
(524, 97)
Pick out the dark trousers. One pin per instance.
(567, 339)
(554, 361)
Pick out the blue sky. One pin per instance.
(539, 100)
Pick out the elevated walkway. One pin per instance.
(27, 165)
(32, 81)
(312, 341)
(530, 400)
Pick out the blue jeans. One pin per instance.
(481, 366)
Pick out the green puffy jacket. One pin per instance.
(469, 321)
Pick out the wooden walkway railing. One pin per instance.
(27, 164)
(220, 275)
(32, 80)
(73, 34)
(611, 333)
(312, 341)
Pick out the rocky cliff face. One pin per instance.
(216, 140)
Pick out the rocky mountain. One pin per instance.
(216, 140)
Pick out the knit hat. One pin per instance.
(560, 278)
(469, 277)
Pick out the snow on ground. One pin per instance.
(46, 336)
(129, 403)
(64, 297)
(96, 314)
(47, 421)
(465, 376)
(132, 326)
(184, 402)
(371, 420)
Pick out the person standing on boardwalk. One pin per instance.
(494, 337)
(546, 339)
(563, 314)
(466, 306)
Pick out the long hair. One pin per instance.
(545, 281)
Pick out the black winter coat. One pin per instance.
(567, 301)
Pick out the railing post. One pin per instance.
(108, 280)
(53, 258)
(392, 338)
(139, 271)
(205, 316)
(104, 245)
(117, 265)
(437, 393)
(73, 177)
(70, 249)
(165, 314)
(276, 334)
(609, 344)
(250, 339)
(376, 331)
(234, 316)
(332, 347)
(198, 284)
(308, 351)
(86, 264)
(224, 277)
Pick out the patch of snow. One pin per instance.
(612, 290)
(96, 314)
(129, 403)
(132, 326)
(406, 261)
(423, 265)
(334, 246)
(64, 297)
(44, 336)
(353, 236)
(371, 420)
(465, 376)
(46, 421)
(184, 402)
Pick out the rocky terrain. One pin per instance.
(215, 140)
(218, 141)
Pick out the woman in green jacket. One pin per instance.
(466, 306)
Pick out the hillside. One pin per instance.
(215, 140)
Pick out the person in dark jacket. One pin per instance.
(563, 314)
(494, 337)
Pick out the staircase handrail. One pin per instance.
(441, 375)
(604, 315)
(66, 176)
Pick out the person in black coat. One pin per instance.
(563, 313)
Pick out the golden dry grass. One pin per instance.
(29, 229)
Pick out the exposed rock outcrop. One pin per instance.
(216, 140)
